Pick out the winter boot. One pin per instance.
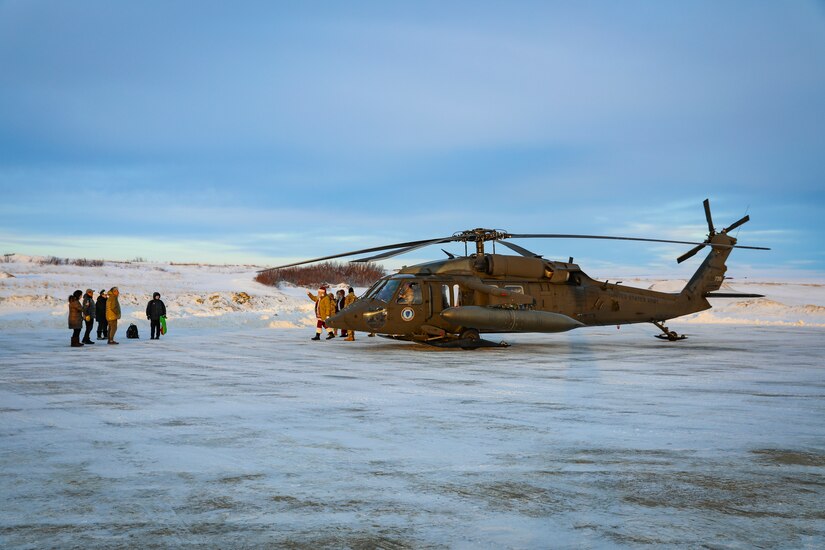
(330, 336)
(316, 337)
(76, 342)
(350, 338)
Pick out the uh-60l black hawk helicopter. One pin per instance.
(450, 302)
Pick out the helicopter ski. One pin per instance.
(451, 302)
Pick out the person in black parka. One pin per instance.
(155, 309)
(89, 314)
(100, 315)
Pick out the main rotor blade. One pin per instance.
(391, 253)
(611, 238)
(690, 253)
(711, 230)
(363, 251)
(520, 250)
(736, 224)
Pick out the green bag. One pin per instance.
(163, 324)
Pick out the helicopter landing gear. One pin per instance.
(469, 339)
(668, 335)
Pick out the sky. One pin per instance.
(266, 132)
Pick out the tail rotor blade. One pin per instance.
(711, 231)
(737, 223)
(690, 253)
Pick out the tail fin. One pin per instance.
(711, 273)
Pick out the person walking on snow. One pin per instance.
(348, 301)
(324, 307)
(155, 309)
(76, 317)
(88, 314)
(100, 315)
(113, 313)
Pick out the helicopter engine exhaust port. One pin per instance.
(509, 320)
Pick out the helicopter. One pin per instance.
(451, 302)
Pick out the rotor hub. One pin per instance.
(479, 235)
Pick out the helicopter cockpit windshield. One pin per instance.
(385, 290)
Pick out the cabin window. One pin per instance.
(518, 289)
(445, 296)
(456, 295)
(409, 294)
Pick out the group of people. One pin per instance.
(83, 308)
(326, 306)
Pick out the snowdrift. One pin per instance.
(34, 295)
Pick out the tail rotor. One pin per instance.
(711, 233)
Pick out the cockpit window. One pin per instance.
(386, 292)
(410, 293)
(374, 288)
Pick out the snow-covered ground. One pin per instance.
(255, 437)
(233, 431)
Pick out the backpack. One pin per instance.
(132, 331)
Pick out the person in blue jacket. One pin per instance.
(155, 309)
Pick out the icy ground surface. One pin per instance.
(594, 438)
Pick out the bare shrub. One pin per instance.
(83, 262)
(87, 263)
(355, 274)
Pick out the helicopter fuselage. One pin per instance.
(490, 293)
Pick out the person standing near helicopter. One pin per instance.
(348, 301)
(324, 307)
(340, 304)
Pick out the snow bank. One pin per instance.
(196, 295)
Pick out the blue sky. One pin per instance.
(265, 132)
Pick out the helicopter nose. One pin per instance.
(351, 318)
(337, 320)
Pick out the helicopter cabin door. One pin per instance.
(412, 302)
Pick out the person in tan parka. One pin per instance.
(324, 307)
(348, 301)
(113, 313)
